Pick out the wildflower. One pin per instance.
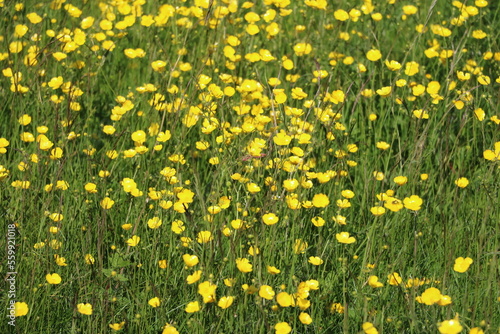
(89, 259)
(253, 188)
(462, 264)
(377, 210)
(421, 114)
(154, 302)
(84, 308)
(154, 223)
(462, 182)
(384, 91)
(194, 277)
(225, 302)
(315, 260)
(53, 278)
(413, 202)
(282, 328)
(374, 283)
(476, 330)
(368, 328)
(204, 237)
(243, 265)
(382, 145)
(336, 307)
(302, 49)
(320, 200)
(318, 221)
(345, 238)
(284, 299)
(480, 114)
(451, 326)
(266, 292)
(411, 68)
(394, 279)
(488, 154)
(107, 203)
(373, 55)
(117, 326)
(305, 318)
(207, 291)
(270, 219)
(192, 307)
(190, 260)
(430, 296)
(341, 15)
(300, 246)
(133, 241)
(400, 180)
(273, 270)
(20, 309)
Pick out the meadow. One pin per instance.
(225, 166)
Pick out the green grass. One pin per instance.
(119, 279)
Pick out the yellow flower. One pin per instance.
(320, 200)
(305, 318)
(244, 265)
(139, 136)
(266, 292)
(382, 145)
(462, 182)
(154, 302)
(413, 202)
(133, 241)
(394, 279)
(393, 65)
(273, 270)
(84, 308)
(451, 326)
(384, 91)
(282, 328)
(345, 238)
(377, 210)
(430, 296)
(204, 237)
(107, 203)
(154, 223)
(20, 309)
(421, 114)
(302, 49)
(190, 260)
(300, 246)
(480, 114)
(341, 15)
(225, 302)
(318, 221)
(169, 329)
(462, 264)
(282, 139)
(368, 328)
(411, 68)
(117, 326)
(89, 259)
(315, 260)
(53, 278)
(253, 188)
(192, 307)
(374, 283)
(489, 154)
(56, 217)
(400, 180)
(373, 55)
(194, 277)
